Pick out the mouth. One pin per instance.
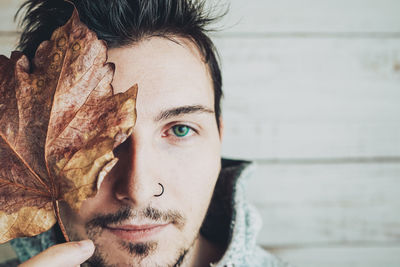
(136, 232)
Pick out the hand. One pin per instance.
(68, 254)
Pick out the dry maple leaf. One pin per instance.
(59, 125)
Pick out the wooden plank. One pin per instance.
(341, 256)
(311, 97)
(287, 16)
(6, 252)
(8, 43)
(312, 16)
(327, 203)
(8, 8)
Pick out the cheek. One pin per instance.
(73, 222)
(191, 177)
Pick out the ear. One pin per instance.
(221, 128)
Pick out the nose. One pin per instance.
(135, 183)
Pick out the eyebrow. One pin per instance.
(177, 111)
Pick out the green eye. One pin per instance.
(180, 130)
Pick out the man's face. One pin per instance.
(179, 151)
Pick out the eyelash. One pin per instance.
(183, 137)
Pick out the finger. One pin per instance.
(68, 254)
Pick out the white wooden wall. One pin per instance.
(312, 95)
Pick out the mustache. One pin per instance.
(128, 213)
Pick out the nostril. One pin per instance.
(121, 197)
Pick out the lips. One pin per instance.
(137, 232)
(136, 227)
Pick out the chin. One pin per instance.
(136, 254)
(115, 251)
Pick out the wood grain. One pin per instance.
(287, 16)
(312, 17)
(8, 8)
(311, 97)
(8, 43)
(321, 204)
(6, 252)
(385, 256)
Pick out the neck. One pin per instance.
(202, 253)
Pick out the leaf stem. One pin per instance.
(58, 217)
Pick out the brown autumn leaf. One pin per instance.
(59, 125)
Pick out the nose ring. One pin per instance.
(162, 190)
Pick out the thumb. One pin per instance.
(63, 255)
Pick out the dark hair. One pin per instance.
(123, 22)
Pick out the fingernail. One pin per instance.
(86, 245)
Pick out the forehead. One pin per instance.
(168, 74)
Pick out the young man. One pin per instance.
(171, 200)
